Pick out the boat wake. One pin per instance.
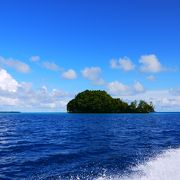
(165, 166)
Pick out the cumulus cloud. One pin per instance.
(93, 74)
(138, 87)
(163, 100)
(34, 58)
(151, 78)
(123, 63)
(6, 101)
(21, 96)
(7, 83)
(175, 91)
(51, 66)
(150, 64)
(117, 88)
(15, 64)
(69, 74)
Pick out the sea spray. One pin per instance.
(165, 166)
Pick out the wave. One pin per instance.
(165, 166)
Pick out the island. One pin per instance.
(98, 101)
(9, 112)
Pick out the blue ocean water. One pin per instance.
(90, 146)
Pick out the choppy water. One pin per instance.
(90, 146)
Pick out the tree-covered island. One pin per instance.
(97, 101)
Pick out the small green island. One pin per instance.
(97, 101)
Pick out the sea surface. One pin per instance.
(60, 146)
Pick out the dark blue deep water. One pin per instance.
(90, 146)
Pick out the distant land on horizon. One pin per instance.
(10, 112)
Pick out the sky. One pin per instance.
(50, 50)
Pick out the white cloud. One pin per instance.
(93, 74)
(34, 58)
(69, 74)
(16, 95)
(21, 96)
(117, 88)
(51, 66)
(163, 100)
(15, 64)
(138, 87)
(8, 101)
(7, 83)
(114, 64)
(150, 63)
(175, 91)
(151, 78)
(98, 82)
(123, 63)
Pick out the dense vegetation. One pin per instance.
(100, 102)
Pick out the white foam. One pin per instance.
(165, 166)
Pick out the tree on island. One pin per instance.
(97, 101)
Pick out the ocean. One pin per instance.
(62, 146)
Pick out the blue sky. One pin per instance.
(129, 48)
